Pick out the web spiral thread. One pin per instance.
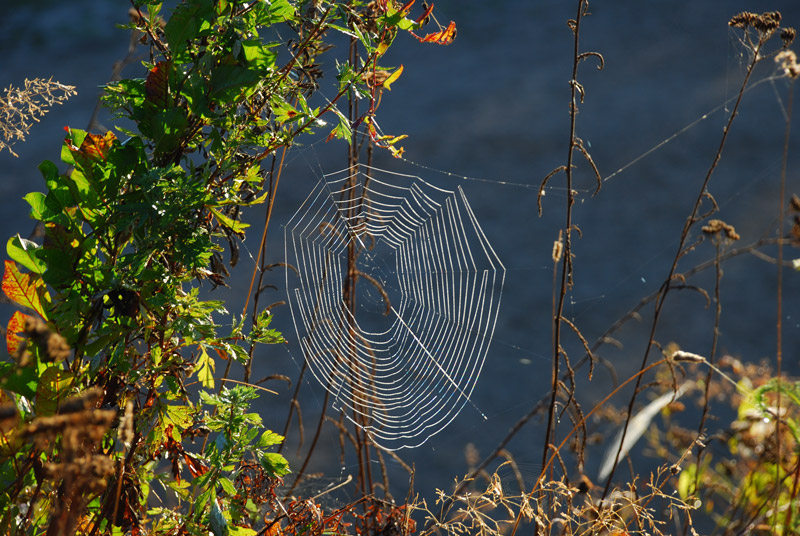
(402, 350)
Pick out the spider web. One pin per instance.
(402, 351)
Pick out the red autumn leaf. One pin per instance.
(176, 470)
(96, 147)
(23, 289)
(156, 85)
(443, 37)
(15, 326)
(196, 467)
(151, 398)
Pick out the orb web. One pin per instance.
(401, 346)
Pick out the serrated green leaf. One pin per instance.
(275, 464)
(270, 438)
(179, 415)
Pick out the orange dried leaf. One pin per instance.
(23, 289)
(96, 147)
(15, 326)
(424, 17)
(443, 37)
(406, 7)
(274, 529)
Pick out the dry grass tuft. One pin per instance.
(558, 507)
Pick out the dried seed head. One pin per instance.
(55, 347)
(558, 250)
(796, 229)
(795, 203)
(787, 59)
(472, 455)
(680, 355)
(787, 36)
(767, 22)
(716, 227)
(743, 19)
(126, 425)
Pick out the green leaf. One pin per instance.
(284, 112)
(24, 251)
(274, 12)
(48, 170)
(241, 531)
(259, 55)
(20, 380)
(74, 140)
(275, 464)
(188, 22)
(179, 415)
(342, 130)
(227, 485)
(39, 210)
(394, 17)
(166, 129)
(205, 369)
(234, 225)
(53, 387)
(686, 481)
(229, 81)
(269, 438)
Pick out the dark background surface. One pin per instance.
(493, 105)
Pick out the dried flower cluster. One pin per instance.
(20, 107)
(765, 24)
(54, 347)
(787, 59)
(80, 470)
(718, 227)
(794, 206)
